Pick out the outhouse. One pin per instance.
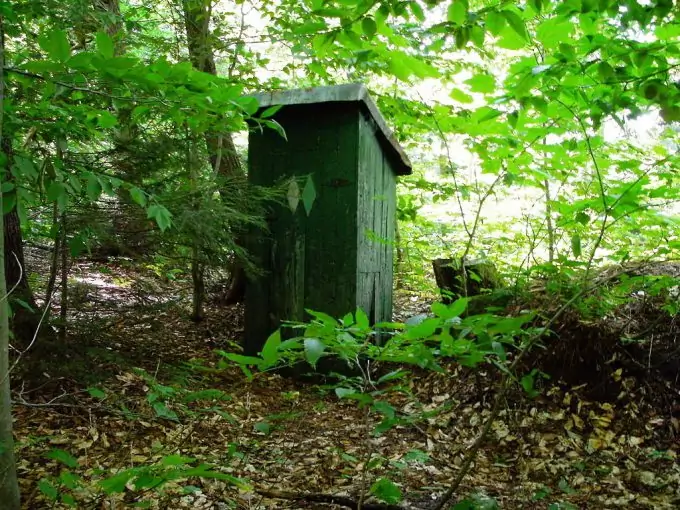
(330, 245)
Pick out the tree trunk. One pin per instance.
(63, 312)
(454, 279)
(9, 486)
(54, 264)
(26, 315)
(549, 223)
(221, 150)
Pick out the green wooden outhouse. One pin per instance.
(330, 247)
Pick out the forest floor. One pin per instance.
(138, 385)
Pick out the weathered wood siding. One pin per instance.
(340, 255)
(376, 225)
(310, 261)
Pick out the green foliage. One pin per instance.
(73, 489)
(531, 153)
(175, 402)
(387, 491)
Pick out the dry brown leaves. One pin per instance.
(278, 434)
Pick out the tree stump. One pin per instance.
(454, 279)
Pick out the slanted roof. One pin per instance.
(349, 93)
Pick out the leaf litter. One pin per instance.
(133, 389)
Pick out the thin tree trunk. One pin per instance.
(63, 311)
(9, 486)
(197, 276)
(25, 311)
(221, 150)
(54, 264)
(549, 223)
(197, 265)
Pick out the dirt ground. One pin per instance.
(138, 382)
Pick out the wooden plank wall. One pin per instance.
(376, 226)
(310, 261)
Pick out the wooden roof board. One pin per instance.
(348, 93)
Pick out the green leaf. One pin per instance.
(96, 393)
(477, 35)
(403, 66)
(270, 350)
(176, 460)
(344, 392)
(417, 10)
(554, 31)
(138, 196)
(308, 195)
(399, 68)
(362, 319)
(510, 40)
(324, 318)
(348, 320)
(457, 12)
(576, 245)
(81, 61)
(460, 96)
(394, 375)
(495, 22)
(537, 5)
(423, 330)
(49, 490)
(240, 358)
(263, 427)
(384, 408)
(69, 480)
(582, 218)
(163, 411)
(118, 482)
(369, 27)
(161, 215)
(314, 349)
(605, 71)
(483, 83)
(23, 304)
(64, 457)
(105, 45)
(204, 472)
(323, 42)
(56, 45)
(517, 24)
(386, 490)
(270, 111)
(106, 119)
(55, 191)
(94, 187)
(310, 27)
(455, 309)
(668, 32)
(9, 202)
(527, 382)
(24, 167)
